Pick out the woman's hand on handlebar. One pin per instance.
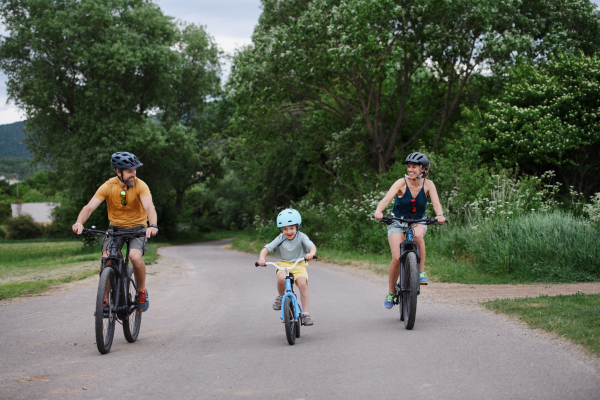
(378, 216)
(440, 219)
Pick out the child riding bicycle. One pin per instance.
(289, 246)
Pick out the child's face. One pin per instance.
(289, 231)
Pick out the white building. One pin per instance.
(40, 212)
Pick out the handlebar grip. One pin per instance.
(315, 257)
(256, 264)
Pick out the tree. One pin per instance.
(401, 66)
(89, 74)
(548, 118)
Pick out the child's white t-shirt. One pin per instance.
(290, 250)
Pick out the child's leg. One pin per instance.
(303, 286)
(281, 283)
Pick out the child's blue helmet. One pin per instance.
(289, 216)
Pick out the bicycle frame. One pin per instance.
(406, 247)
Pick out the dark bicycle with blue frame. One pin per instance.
(407, 287)
(291, 311)
(118, 284)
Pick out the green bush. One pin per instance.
(22, 227)
(2, 233)
(543, 247)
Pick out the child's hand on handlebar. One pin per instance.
(309, 257)
(261, 262)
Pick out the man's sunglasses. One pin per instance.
(123, 198)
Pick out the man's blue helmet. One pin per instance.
(287, 217)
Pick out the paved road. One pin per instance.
(211, 333)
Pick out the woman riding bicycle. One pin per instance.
(410, 201)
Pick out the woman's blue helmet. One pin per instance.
(287, 217)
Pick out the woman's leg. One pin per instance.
(394, 239)
(419, 238)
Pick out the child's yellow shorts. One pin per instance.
(297, 272)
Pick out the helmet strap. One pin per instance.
(121, 179)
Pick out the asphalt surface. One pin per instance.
(211, 333)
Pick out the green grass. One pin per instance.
(439, 268)
(55, 262)
(576, 317)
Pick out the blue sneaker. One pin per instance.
(389, 301)
(423, 278)
(144, 303)
(105, 310)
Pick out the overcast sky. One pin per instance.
(230, 22)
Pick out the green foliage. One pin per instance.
(548, 118)
(396, 69)
(22, 227)
(17, 167)
(88, 74)
(538, 247)
(11, 142)
(576, 317)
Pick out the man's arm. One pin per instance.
(151, 212)
(84, 214)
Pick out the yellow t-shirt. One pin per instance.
(131, 215)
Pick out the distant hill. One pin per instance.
(11, 140)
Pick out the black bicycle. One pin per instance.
(119, 286)
(407, 287)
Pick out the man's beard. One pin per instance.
(130, 182)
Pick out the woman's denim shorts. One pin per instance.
(399, 227)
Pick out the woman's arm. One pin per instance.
(388, 197)
(435, 201)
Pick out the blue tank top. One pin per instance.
(406, 205)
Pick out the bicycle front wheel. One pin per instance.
(411, 281)
(132, 322)
(288, 318)
(105, 324)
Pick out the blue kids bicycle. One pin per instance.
(407, 287)
(291, 311)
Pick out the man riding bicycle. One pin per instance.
(130, 207)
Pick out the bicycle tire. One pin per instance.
(399, 294)
(288, 318)
(105, 327)
(411, 271)
(298, 323)
(132, 322)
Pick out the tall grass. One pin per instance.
(514, 231)
(549, 247)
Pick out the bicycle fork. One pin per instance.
(290, 293)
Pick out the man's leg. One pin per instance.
(139, 268)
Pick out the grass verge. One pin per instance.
(33, 266)
(439, 268)
(576, 317)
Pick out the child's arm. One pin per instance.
(311, 254)
(261, 258)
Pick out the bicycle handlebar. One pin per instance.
(133, 234)
(286, 269)
(388, 219)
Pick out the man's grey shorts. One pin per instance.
(400, 227)
(140, 243)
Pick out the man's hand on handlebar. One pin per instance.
(151, 232)
(77, 228)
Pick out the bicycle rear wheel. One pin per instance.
(132, 322)
(411, 281)
(105, 326)
(288, 318)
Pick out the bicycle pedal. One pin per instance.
(424, 283)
